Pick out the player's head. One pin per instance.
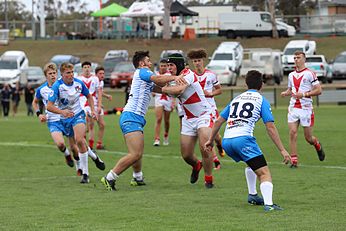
(163, 66)
(100, 72)
(197, 57)
(66, 70)
(254, 80)
(299, 59)
(176, 63)
(141, 59)
(50, 71)
(86, 68)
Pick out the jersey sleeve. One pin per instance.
(215, 79)
(54, 94)
(145, 74)
(313, 78)
(38, 93)
(266, 111)
(225, 112)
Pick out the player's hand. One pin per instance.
(207, 93)
(109, 97)
(42, 118)
(67, 113)
(99, 110)
(286, 156)
(284, 93)
(93, 115)
(208, 146)
(180, 80)
(297, 95)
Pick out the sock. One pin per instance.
(165, 135)
(91, 154)
(317, 145)
(251, 180)
(112, 175)
(66, 151)
(208, 179)
(84, 162)
(215, 159)
(198, 166)
(91, 143)
(267, 192)
(138, 175)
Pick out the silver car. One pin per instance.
(33, 76)
(338, 66)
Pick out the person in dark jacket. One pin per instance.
(16, 91)
(29, 93)
(5, 99)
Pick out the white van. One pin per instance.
(11, 64)
(228, 53)
(251, 24)
(307, 46)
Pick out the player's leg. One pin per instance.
(315, 142)
(101, 123)
(74, 149)
(60, 143)
(166, 117)
(207, 157)
(293, 133)
(187, 147)
(91, 124)
(79, 134)
(138, 179)
(158, 114)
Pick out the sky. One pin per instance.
(92, 4)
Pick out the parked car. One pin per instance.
(123, 54)
(228, 53)
(265, 60)
(224, 73)
(319, 65)
(122, 74)
(338, 66)
(11, 64)
(111, 59)
(307, 46)
(59, 59)
(33, 76)
(166, 53)
(78, 69)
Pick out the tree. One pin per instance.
(15, 11)
(272, 12)
(71, 9)
(166, 28)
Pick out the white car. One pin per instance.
(319, 65)
(111, 54)
(11, 64)
(224, 74)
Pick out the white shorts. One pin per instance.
(190, 126)
(180, 110)
(215, 114)
(305, 117)
(87, 110)
(166, 104)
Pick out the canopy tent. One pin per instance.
(143, 9)
(178, 9)
(113, 10)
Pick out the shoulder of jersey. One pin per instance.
(186, 71)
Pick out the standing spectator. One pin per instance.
(29, 93)
(5, 99)
(15, 98)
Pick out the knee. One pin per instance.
(309, 139)
(293, 133)
(60, 145)
(102, 126)
(158, 120)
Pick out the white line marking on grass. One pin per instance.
(26, 144)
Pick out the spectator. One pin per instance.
(29, 93)
(15, 98)
(5, 99)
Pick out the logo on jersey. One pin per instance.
(78, 89)
(64, 101)
(51, 93)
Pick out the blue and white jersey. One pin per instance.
(68, 96)
(243, 112)
(140, 93)
(42, 93)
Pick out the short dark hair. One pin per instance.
(299, 53)
(197, 54)
(99, 68)
(139, 56)
(86, 63)
(254, 80)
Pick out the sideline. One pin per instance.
(26, 144)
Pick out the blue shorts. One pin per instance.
(131, 122)
(57, 126)
(69, 123)
(241, 148)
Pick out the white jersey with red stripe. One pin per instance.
(302, 81)
(193, 99)
(208, 80)
(92, 83)
(163, 98)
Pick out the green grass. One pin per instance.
(39, 192)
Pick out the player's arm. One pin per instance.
(52, 108)
(160, 80)
(208, 146)
(274, 135)
(36, 107)
(99, 100)
(216, 91)
(107, 96)
(174, 90)
(156, 89)
(288, 92)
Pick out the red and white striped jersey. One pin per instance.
(92, 83)
(302, 81)
(208, 80)
(192, 99)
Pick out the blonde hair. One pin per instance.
(49, 66)
(65, 66)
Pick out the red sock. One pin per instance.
(317, 145)
(91, 144)
(198, 166)
(165, 135)
(208, 179)
(215, 159)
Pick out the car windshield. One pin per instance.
(223, 57)
(33, 72)
(110, 63)
(290, 51)
(216, 68)
(340, 59)
(313, 60)
(8, 64)
(124, 67)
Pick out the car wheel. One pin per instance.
(330, 80)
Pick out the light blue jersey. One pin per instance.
(140, 93)
(243, 112)
(43, 93)
(68, 96)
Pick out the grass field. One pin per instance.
(39, 192)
